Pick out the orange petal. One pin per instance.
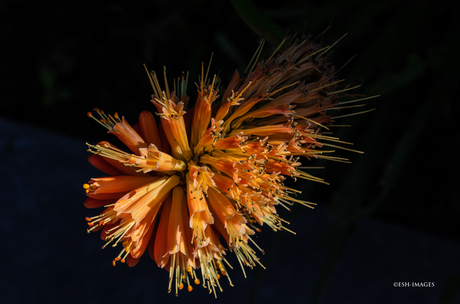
(179, 236)
(123, 183)
(91, 203)
(105, 196)
(100, 163)
(128, 136)
(132, 261)
(149, 129)
(160, 243)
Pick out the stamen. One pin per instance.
(344, 90)
(352, 114)
(107, 121)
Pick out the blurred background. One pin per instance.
(390, 216)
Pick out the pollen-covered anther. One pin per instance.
(121, 256)
(89, 187)
(123, 253)
(107, 121)
(101, 220)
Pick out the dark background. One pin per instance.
(392, 215)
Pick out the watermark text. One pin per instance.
(413, 284)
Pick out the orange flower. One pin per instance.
(213, 170)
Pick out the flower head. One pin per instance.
(201, 180)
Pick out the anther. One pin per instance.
(115, 260)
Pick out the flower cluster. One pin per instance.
(202, 180)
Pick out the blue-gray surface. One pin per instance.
(48, 257)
